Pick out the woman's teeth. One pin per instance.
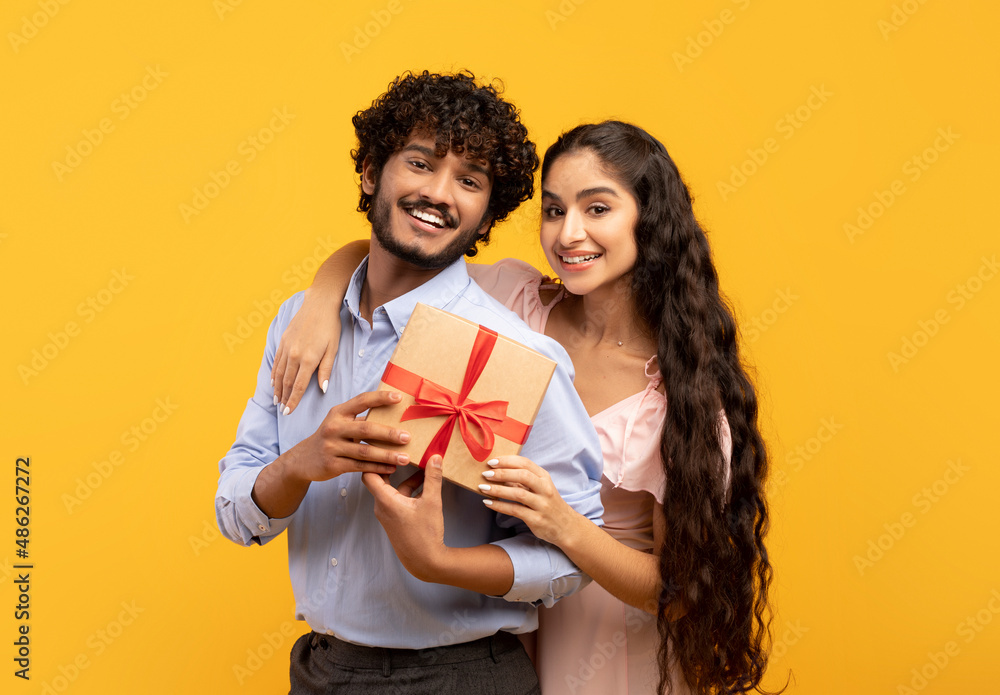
(428, 217)
(573, 260)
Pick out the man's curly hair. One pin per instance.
(466, 118)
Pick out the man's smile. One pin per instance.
(427, 216)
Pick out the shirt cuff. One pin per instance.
(259, 527)
(542, 574)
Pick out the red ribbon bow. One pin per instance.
(478, 422)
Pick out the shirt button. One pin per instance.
(262, 527)
(361, 353)
(343, 492)
(333, 562)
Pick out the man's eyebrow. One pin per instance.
(474, 166)
(426, 151)
(429, 153)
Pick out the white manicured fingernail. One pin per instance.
(272, 383)
(322, 387)
(276, 400)
(488, 503)
(489, 474)
(493, 462)
(484, 487)
(286, 411)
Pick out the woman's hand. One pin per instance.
(311, 338)
(523, 489)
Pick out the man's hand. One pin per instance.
(335, 448)
(415, 525)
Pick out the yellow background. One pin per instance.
(821, 308)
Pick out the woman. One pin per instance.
(681, 574)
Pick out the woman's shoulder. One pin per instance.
(519, 287)
(503, 275)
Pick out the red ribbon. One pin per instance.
(478, 422)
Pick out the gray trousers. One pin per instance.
(496, 665)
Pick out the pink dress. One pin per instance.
(592, 643)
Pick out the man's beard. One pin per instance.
(381, 226)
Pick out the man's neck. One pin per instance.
(387, 278)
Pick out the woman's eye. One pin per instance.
(553, 212)
(599, 209)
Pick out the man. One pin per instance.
(415, 594)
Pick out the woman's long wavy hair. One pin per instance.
(714, 566)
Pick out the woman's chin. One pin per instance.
(574, 286)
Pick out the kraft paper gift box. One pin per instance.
(468, 393)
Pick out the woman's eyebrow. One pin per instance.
(584, 193)
(594, 191)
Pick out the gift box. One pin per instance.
(469, 394)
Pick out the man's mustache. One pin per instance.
(442, 210)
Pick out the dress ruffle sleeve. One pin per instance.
(516, 285)
(630, 439)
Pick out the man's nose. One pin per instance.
(437, 190)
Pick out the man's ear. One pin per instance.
(484, 228)
(368, 177)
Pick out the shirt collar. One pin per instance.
(436, 292)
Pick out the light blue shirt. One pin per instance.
(346, 577)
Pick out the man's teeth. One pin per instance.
(573, 260)
(428, 217)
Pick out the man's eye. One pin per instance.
(418, 164)
(471, 183)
